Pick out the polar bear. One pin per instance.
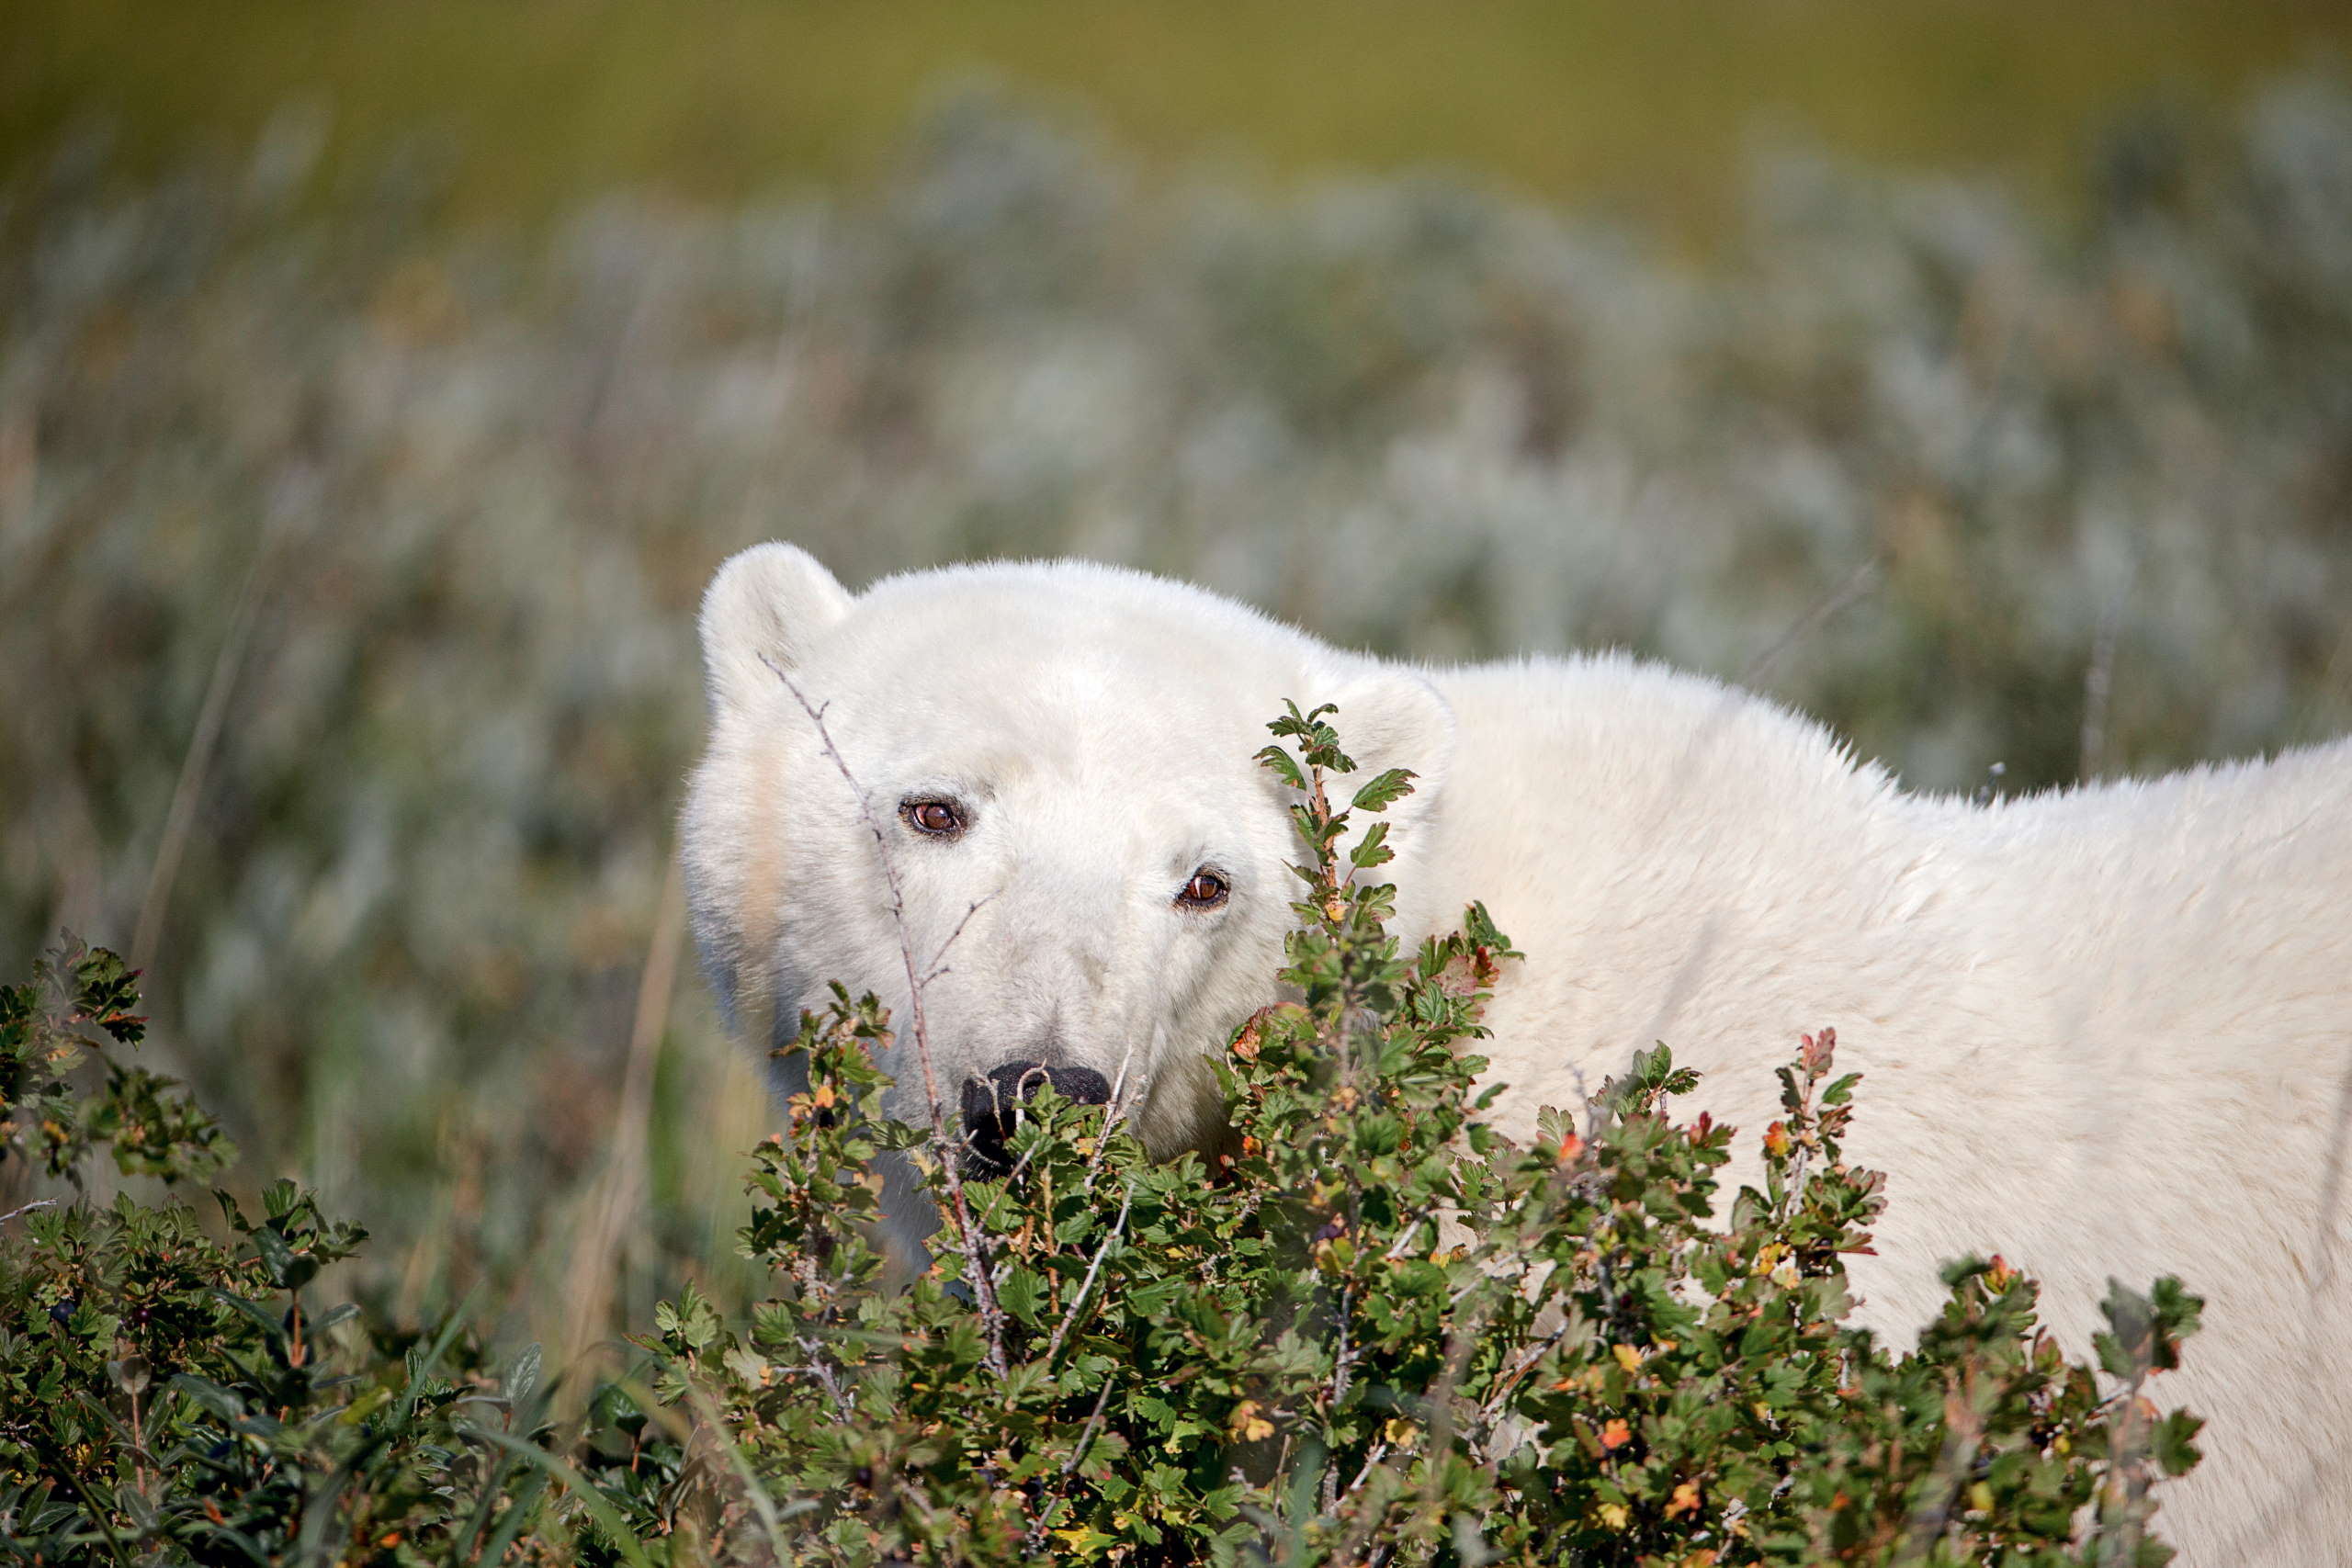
(2107, 1030)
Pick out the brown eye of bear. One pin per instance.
(1205, 891)
(937, 817)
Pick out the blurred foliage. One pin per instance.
(347, 566)
(50, 1116)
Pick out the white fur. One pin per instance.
(2106, 1032)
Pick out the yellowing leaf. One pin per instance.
(1084, 1539)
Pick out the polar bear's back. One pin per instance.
(2193, 992)
(2105, 1030)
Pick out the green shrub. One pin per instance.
(1366, 1330)
(168, 1397)
(1282, 1352)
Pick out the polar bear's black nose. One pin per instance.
(992, 1106)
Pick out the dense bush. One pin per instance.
(168, 1398)
(1371, 1331)
(1367, 1330)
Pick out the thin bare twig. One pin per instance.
(1507, 1384)
(1036, 1532)
(2099, 680)
(939, 959)
(294, 497)
(1086, 1433)
(1111, 1112)
(1061, 1330)
(1858, 582)
(195, 765)
(943, 1146)
(1404, 1241)
(1371, 1462)
(28, 1207)
(1439, 1442)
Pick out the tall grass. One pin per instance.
(1976, 492)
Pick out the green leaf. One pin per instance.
(1383, 790)
(1372, 848)
(2171, 1441)
(1021, 1292)
(521, 1376)
(1283, 766)
(599, 1506)
(280, 1198)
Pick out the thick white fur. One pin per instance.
(2106, 1032)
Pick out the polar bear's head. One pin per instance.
(1055, 760)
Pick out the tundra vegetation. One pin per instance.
(347, 558)
(348, 553)
(1367, 1330)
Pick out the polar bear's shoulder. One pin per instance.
(1626, 729)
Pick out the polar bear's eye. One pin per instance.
(1205, 891)
(940, 819)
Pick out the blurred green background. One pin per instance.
(379, 383)
(1641, 108)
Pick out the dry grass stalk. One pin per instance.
(617, 1198)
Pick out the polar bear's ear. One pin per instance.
(763, 608)
(1392, 717)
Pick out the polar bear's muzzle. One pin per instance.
(992, 1107)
